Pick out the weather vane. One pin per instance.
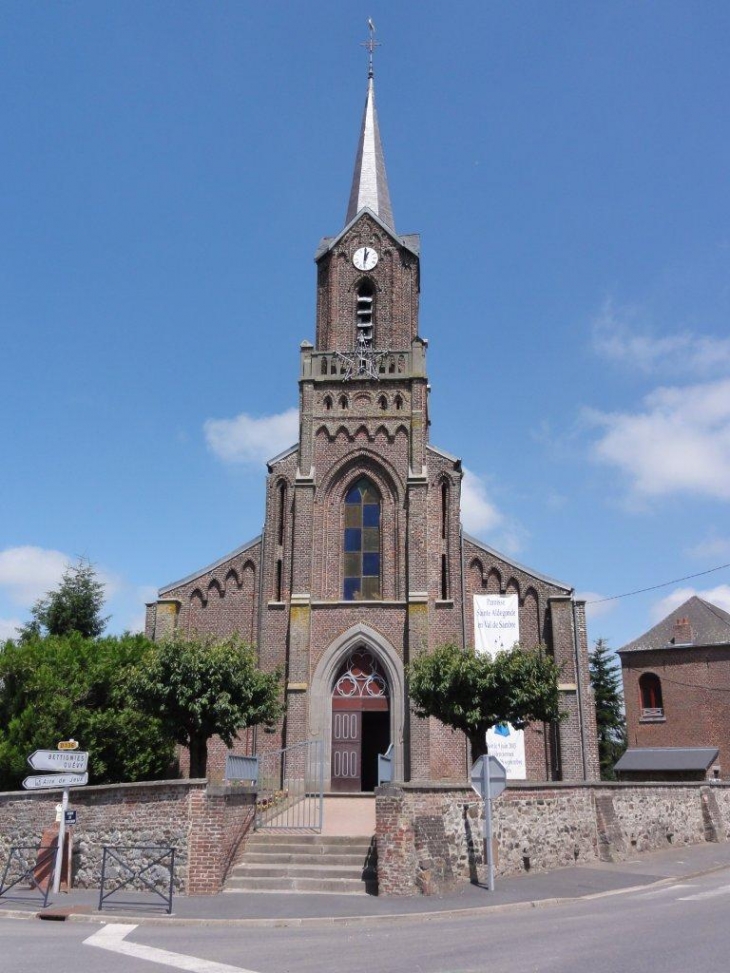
(370, 44)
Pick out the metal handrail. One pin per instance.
(290, 788)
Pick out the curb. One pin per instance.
(314, 921)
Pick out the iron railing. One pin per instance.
(290, 788)
(36, 863)
(136, 868)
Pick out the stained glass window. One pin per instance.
(361, 542)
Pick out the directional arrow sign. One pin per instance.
(58, 760)
(54, 781)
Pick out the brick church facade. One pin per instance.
(362, 564)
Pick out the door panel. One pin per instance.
(346, 750)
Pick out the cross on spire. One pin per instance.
(370, 44)
(369, 181)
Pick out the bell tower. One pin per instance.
(368, 363)
(362, 521)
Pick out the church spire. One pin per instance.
(369, 182)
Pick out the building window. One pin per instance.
(444, 510)
(361, 542)
(650, 691)
(365, 313)
(444, 578)
(281, 513)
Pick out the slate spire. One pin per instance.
(369, 182)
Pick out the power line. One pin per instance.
(664, 584)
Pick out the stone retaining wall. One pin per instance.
(204, 823)
(429, 835)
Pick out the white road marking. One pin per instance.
(111, 937)
(710, 894)
(665, 890)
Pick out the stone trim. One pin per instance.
(320, 709)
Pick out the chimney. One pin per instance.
(682, 634)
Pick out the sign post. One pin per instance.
(61, 840)
(489, 779)
(67, 758)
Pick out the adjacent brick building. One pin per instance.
(362, 564)
(677, 687)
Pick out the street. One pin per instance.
(674, 928)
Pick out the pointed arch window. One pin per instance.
(365, 313)
(361, 542)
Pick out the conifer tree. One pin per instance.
(75, 606)
(606, 684)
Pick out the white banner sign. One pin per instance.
(496, 623)
(496, 628)
(508, 746)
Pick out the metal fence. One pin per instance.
(137, 868)
(291, 788)
(29, 867)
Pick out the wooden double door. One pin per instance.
(360, 723)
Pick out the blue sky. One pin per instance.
(167, 171)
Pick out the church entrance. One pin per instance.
(360, 722)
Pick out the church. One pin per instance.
(363, 564)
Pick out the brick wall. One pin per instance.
(695, 683)
(429, 835)
(204, 823)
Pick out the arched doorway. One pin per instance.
(360, 721)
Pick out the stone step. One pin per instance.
(291, 862)
(280, 838)
(279, 857)
(299, 848)
(246, 870)
(343, 886)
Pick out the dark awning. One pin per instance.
(667, 758)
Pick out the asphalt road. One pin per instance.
(678, 928)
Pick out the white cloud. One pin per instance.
(478, 513)
(245, 439)
(711, 547)
(27, 573)
(596, 607)
(136, 623)
(9, 628)
(620, 335)
(679, 442)
(136, 619)
(719, 596)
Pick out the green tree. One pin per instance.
(472, 692)
(202, 688)
(606, 683)
(75, 606)
(61, 686)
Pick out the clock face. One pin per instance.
(365, 258)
